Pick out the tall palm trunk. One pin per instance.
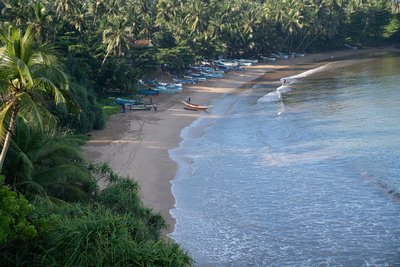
(10, 132)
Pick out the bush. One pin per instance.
(123, 198)
(14, 211)
(115, 231)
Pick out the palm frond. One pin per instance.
(26, 138)
(34, 113)
(48, 164)
(19, 163)
(24, 74)
(68, 173)
(50, 156)
(7, 65)
(43, 57)
(46, 85)
(32, 188)
(47, 65)
(27, 43)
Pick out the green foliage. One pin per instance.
(123, 198)
(51, 164)
(14, 211)
(392, 30)
(79, 62)
(91, 237)
(164, 39)
(110, 110)
(367, 25)
(143, 59)
(102, 173)
(118, 75)
(97, 235)
(90, 115)
(29, 76)
(177, 58)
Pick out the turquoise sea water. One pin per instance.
(306, 174)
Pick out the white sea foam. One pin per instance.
(276, 96)
(307, 73)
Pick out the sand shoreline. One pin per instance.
(136, 143)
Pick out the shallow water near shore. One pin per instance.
(304, 174)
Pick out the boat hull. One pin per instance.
(190, 106)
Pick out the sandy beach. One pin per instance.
(136, 143)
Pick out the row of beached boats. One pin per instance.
(154, 87)
(200, 72)
(280, 55)
(212, 70)
(204, 71)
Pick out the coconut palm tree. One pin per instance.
(65, 8)
(29, 78)
(40, 20)
(169, 13)
(15, 11)
(196, 18)
(48, 164)
(116, 36)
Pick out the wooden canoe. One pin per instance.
(191, 106)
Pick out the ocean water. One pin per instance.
(305, 174)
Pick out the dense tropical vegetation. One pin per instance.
(57, 57)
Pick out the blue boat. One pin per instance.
(123, 101)
(148, 92)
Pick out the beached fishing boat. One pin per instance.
(168, 89)
(210, 74)
(264, 59)
(140, 107)
(191, 106)
(350, 47)
(294, 54)
(148, 92)
(184, 81)
(280, 55)
(201, 79)
(123, 101)
(226, 63)
(247, 62)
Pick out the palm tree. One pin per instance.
(219, 19)
(49, 164)
(196, 17)
(66, 8)
(168, 13)
(29, 76)
(40, 20)
(117, 36)
(15, 11)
